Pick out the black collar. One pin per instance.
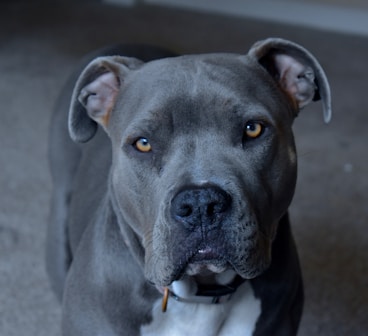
(207, 294)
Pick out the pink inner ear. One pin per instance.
(296, 78)
(99, 97)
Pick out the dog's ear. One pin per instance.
(296, 70)
(95, 94)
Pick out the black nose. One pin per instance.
(204, 206)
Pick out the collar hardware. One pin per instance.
(165, 299)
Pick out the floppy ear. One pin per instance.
(296, 70)
(95, 94)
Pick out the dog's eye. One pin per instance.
(142, 145)
(253, 129)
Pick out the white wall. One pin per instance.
(348, 16)
(362, 4)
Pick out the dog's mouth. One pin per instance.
(206, 265)
(206, 262)
(205, 258)
(211, 261)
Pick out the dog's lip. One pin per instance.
(206, 254)
(204, 260)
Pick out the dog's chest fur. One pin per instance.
(238, 316)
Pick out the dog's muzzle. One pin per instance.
(206, 232)
(200, 212)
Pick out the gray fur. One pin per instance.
(122, 238)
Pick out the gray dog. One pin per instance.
(172, 218)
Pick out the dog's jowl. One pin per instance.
(172, 181)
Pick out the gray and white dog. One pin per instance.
(171, 217)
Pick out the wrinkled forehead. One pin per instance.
(202, 85)
(194, 72)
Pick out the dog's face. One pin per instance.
(204, 163)
(209, 148)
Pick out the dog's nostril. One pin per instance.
(212, 209)
(184, 211)
(215, 208)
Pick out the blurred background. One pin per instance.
(42, 41)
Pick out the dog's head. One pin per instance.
(204, 162)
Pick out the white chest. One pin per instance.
(237, 317)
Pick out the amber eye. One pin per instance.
(253, 129)
(143, 145)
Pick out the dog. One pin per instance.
(172, 182)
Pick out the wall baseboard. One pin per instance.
(327, 17)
